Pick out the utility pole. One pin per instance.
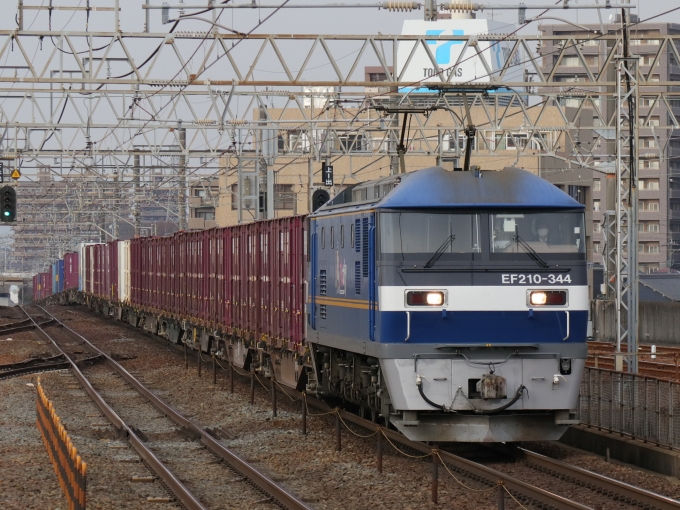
(136, 217)
(182, 192)
(627, 201)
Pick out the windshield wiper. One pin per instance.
(531, 252)
(435, 257)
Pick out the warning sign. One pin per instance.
(16, 173)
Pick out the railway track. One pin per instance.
(579, 483)
(601, 487)
(115, 400)
(570, 477)
(665, 365)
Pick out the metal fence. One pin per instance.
(70, 469)
(633, 405)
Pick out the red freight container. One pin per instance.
(88, 269)
(70, 271)
(111, 270)
(246, 279)
(100, 270)
(45, 285)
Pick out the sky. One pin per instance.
(325, 21)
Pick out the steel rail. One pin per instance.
(488, 474)
(612, 486)
(492, 476)
(255, 476)
(24, 327)
(30, 361)
(11, 325)
(172, 482)
(46, 367)
(34, 369)
(485, 473)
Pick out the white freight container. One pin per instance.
(124, 271)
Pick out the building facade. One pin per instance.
(659, 144)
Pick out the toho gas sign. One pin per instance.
(418, 67)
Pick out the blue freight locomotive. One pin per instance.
(451, 305)
(454, 304)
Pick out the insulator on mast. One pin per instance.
(460, 6)
(401, 6)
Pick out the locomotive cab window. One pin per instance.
(429, 237)
(546, 233)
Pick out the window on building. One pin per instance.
(650, 205)
(570, 61)
(597, 227)
(596, 205)
(649, 184)
(207, 213)
(199, 193)
(596, 185)
(488, 140)
(649, 143)
(516, 140)
(284, 197)
(578, 193)
(649, 164)
(377, 77)
(542, 141)
(596, 247)
(354, 142)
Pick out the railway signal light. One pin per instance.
(319, 198)
(9, 204)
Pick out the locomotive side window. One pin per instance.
(426, 234)
(542, 232)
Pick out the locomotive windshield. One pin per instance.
(542, 232)
(418, 233)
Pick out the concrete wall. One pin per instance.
(659, 322)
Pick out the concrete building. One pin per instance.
(363, 155)
(659, 148)
(203, 200)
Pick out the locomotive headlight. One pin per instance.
(435, 298)
(425, 298)
(538, 298)
(546, 297)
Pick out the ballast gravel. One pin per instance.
(306, 465)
